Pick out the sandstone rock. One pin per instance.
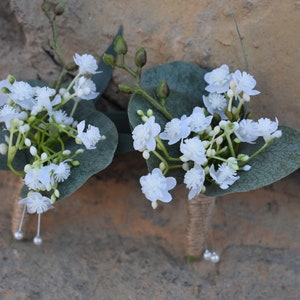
(202, 32)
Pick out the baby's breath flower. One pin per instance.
(87, 64)
(218, 80)
(224, 176)
(197, 121)
(194, 180)
(247, 131)
(193, 149)
(175, 130)
(61, 117)
(37, 203)
(61, 172)
(89, 138)
(245, 83)
(215, 103)
(144, 135)
(22, 94)
(268, 129)
(85, 89)
(156, 186)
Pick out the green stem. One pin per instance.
(153, 102)
(230, 144)
(258, 151)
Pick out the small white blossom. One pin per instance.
(244, 82)
(175, 130)
(268, 129)
(85, 89)
(225, 176)
(89, 138)
(8, 114)
(61, 117)
(43, 99)
(87, 63)
(156, 186)
(22, 94)
(194, 180)
(144, 135)
(39, 178)
(61, 172)
(215, 103)
(247, 131)
(37, 203)
(193, 149)
(197, 121)
(218, 80)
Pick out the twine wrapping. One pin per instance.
(15, 184)
(200, 210)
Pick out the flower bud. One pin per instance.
(66, 152)
(146, 154)
(162, 166)
(79, 151)
(75, 163)
(154, 204)
(33, 151)
(185, 166)
(3, 149)
(27, 142)
(44, 156)
(56, 193)
(163, 90)
(126, 88)
(246, 168)
(219, 140)
(149, 112)
(109, 59)
(11, 79)
(230, 93)
(140, 58)
(5, 90)
(60, 7)
(120, 45)
(71, 67)
(140, 112)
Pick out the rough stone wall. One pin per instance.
(198, 31)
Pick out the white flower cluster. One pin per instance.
(35, 120)
(208, 139)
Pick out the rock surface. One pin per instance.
(108, 243)
(202, 32)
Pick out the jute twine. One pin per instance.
(14, 184)
(200, 210)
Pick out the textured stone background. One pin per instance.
(107, 243)
(198, 31)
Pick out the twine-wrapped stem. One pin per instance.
(15, 185)
(200, 210)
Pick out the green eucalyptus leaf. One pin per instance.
(278, 160)
(180, 76)
(95, 160)
(121, 121)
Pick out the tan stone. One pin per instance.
(198, 31)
